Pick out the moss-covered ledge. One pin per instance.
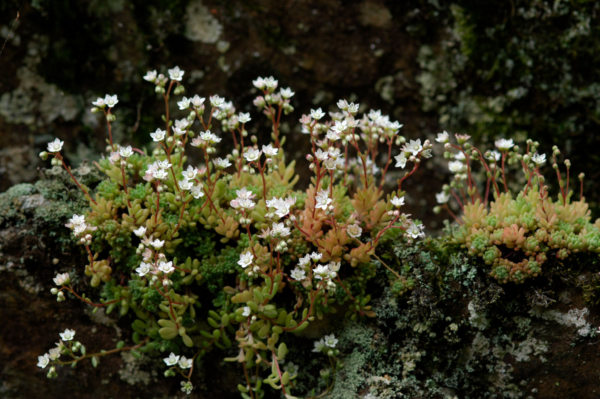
(458, 333)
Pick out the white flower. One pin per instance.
(216, 101)
(178, 131)
(298, 274)
(397, 202)
(456, 166)
(539, 158)
(342, 104)
(197, 101)
(77, 219)
(245, 193)
(321, 155)
(171, 360)
(157, 244)
(443, 137)
(317, 114)
(244, 118)
(163, 164)
(197, 192)
(185, 363)
(504, 145)
(210, 137)
(322, 272)
(353, 108)
(414, 146)
(187, 387)
(99, 102)
(43, 360)
(159, 135)
(442, 197)
(166, 267)
(374, 115)
(354, 230)
(55, 146)
(286, 93)
(246, 259)
(143, 269)
(160, 174)
(185, 184)
(401, 160)
(493, 156)
(282, 206)
(292, 369)
(190, 173)
(150, 76)
(247, 311)
(316, 256)
(67, 335)
(125, 152)
(54, 353)
(460, 156)
(111, 101)
(61, 279)
(184, 103)
(304, 261)
(222, 163)
(415, 231)
(271, 83)
(176, 74)
(330, 341)
(140, 232)
(322, 200)
(319, 345)
(269, 150)
(252, 154)
(259, 83)
(242, 203)
(279, 230)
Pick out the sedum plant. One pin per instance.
(163, 236)
(514, 232)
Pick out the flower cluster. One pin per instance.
(235, 227)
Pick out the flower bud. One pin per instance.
(44, 155)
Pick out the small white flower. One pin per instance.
(354, 230)
(67, 335)
(321, 155)
(61, 279)
(247, 311)
(317, 114)
(171, 360)
(298, 274)
(246, 259)
(271, 83)
(185, 184)
(333, 135)
(442, 197)
(342, 104)
(415, 231)
(125, 152)
(292, 369)
(259, 83)
(493, 156)
(54, 353)
(222, 163)
(414, 146)
(99, 102)
(401, 160)
(279, 230)
(190, 173)
(539, 158)
(443, 137)
(286, 93)
(166, 267)
(319, 345)
(269, 150)
(216, 101)
(55, 146)
(111, 101)
(330, 341)
(397, 202)
(187, 387)
(157, 244)
(244, 118)
(504, 145)
(252, 154)
(197, 192)
(184, 103)
(43, 360)
(456, 166)
(143, 269)
(322, 272)
(176, 74)
(185, 363)
(160, 174)
(316, 256)
(77, 219)
(197, 101)
(353, 108)
(159, 135)
(304, 261)
(322, 200)
(460, 156)
(150, 76)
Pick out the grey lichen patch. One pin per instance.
(200, 24)
(132, 372)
